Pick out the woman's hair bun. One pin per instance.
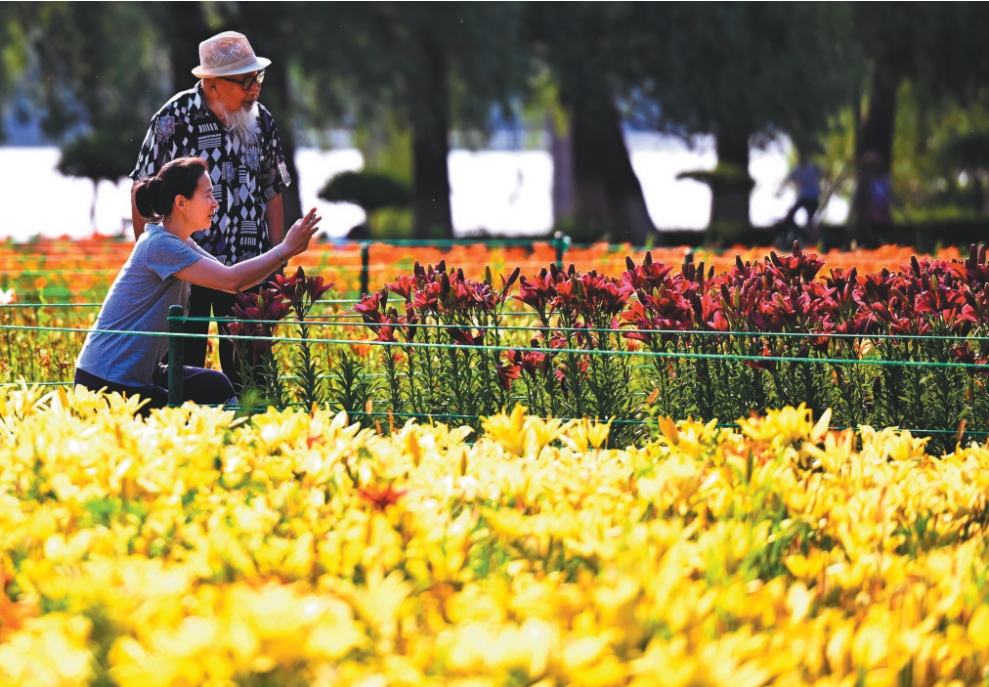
(147, 198)
(154, 196)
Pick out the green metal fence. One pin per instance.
(912, 382)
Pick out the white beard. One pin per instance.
(245, 125)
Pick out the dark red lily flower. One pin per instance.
(535, 361)
(875, 288)
(558, 340)
(976, 269)
(594, 297)
(507, 374)
(531, 362)
(300, 291)
(386, 331)
(507, 284)
(427, 298)
(259, 312)
(538, 294)
(480, 296)
(257, 347)
(797, 268)
(371, 307)
(648, 276)
(379, 319)
(560, 375)
(382, 498)
(404, 286)
(767, 365)
(386, 334)
(411, 319)
(719, 322)
(962, 353)
(463, 337)
(863, 323)
(266, 304)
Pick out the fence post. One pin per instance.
(365, 264)
(560, 242)
(176, 355)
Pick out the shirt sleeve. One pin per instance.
(274, 170)
(145, 160)
(167, 254)
(196, 247)
(156, 149)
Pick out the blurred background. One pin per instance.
(644, 122)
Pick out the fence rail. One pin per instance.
(471, 364)
(682, 371)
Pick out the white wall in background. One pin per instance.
(496, 190)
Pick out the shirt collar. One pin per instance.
(198, 106)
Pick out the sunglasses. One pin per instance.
(248, 81)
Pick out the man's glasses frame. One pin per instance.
(248, 81)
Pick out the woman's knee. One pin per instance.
(206, 387)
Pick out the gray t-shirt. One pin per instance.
(138, 301)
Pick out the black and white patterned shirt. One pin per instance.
(244, 177)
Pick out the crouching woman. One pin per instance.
(118, 355)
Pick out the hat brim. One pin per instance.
(257, 64)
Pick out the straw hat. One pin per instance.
(227, 54)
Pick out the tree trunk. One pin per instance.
(277, 102)
(264, 26)
(875, 135)
(731, 186)
(876, 131)
(184, 28)
(561, 152)
(607, 192)
(92, 206)
(429, 96)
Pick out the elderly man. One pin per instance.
(221, 121)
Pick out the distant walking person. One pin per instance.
(221, 122)
(871, 218)
(178, 202)
(806, 177)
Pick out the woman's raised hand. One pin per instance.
(297, 238)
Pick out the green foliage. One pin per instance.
(385, 198)
(386, 144)
(397, 69)
(350, 388)
(391, 223)
(100, 70)
(747, 69)
(725, 177)
(940, 165)
(370, 190)
(404, 74)
(98, 155)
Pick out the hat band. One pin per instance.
(247, 64)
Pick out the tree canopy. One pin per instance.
(403, 76)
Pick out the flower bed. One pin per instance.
(192, 548)
(904, 348)
(71, 271)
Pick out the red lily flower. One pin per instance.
(507, 374)
(463, 337)
(382, 498)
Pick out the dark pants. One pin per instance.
(808, 204)
(206, 387)
(202, 301)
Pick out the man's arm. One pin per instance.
(136, 216)
(274, 215)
